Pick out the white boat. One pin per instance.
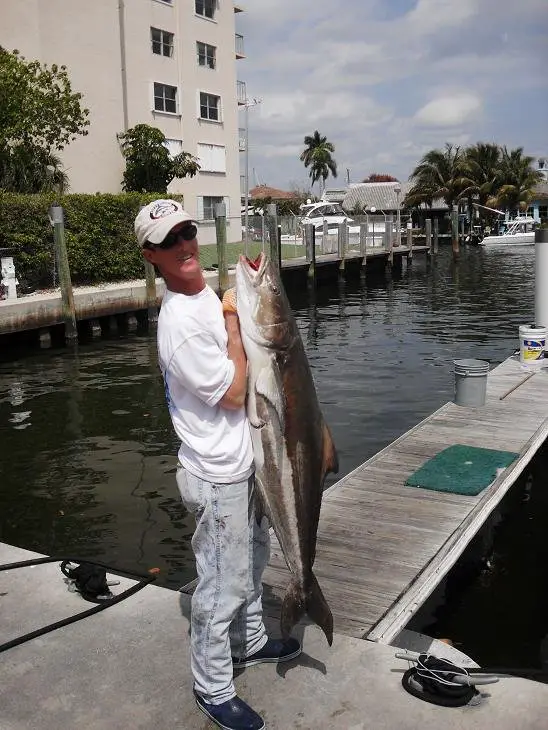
(517, 232)
(332, 213)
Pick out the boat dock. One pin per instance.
(113, 307)
(383, 547)
(129, 667)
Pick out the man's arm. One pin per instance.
(234, 397)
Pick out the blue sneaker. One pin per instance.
(275, 650)
(233, 714)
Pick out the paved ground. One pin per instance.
(127, 668)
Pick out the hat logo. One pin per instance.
(161, 210)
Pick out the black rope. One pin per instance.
(144, 581)
(432, 681)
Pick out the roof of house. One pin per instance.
(381, 196)
(264, 191)
(540, 191)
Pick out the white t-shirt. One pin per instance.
(192, 350)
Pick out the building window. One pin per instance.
(206, 54)
(206, 8)
(210, 106)
(543, 212)
(165, 98)
(206, 206)
(173, 146)
(162, 42)
(212, 157)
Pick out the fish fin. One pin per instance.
(330, 461)
(251, 409)
(261, 507)
(296, 604)
(269, 386)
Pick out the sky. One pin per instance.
(387, 80)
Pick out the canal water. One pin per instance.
(88, 453)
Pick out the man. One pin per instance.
(204, 368)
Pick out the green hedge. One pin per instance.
(99, 234)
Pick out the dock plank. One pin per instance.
(383, 547)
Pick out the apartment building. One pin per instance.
(167, 63)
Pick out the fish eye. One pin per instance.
(275, 289)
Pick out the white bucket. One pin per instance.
(532, 344)
(470, 382)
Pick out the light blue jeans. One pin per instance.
(231, 552)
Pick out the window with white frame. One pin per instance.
(212, 157)
(173, 146)
(210, 107)
(162, 42)
(165, 98)
(206, 54)
(206, 206)
(206, 8)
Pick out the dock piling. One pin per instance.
(436, 235)
(310, 246)
(57, 220)
(220, 233)
(273, 235)
(455, 232)
(428, 234)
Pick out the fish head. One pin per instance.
(263, 308)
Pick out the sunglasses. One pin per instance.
(188, 233)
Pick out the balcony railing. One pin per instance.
(241, 94)
(239, 42)
(241, 139)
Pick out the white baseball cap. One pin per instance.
(155, 220)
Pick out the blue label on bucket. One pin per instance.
(533, 349)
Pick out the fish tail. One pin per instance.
(296, 603)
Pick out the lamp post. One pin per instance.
(397, 190)
(248, 103)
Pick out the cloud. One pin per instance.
(449, 111)
(387, 80)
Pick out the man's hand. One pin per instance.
(229, 300)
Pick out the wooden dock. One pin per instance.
(103, 302)
(383, 547)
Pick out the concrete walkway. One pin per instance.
(127, 667)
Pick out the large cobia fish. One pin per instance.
(292, 445)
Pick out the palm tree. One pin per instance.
(318, 155)
(436, 176)
(516, 181)
(480, 171)
(29, 168)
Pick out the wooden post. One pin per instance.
(390, 226)
(326, 247)
(220, 234)
(341, 247)
(69, 314)
(436, 234)
(310, 246)
(455, 232)
(274, 241)
(410, 242)
(364, 230)
(428, 233)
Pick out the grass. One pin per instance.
(208, 252)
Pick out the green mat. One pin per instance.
(461, 469)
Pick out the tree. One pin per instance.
(436, 176)
(29, 168)
(37, 104)
(39, 115)
(380, 177)
(149, 166)
(318, 155)
(516, 180)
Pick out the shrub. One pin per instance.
(99, 234)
